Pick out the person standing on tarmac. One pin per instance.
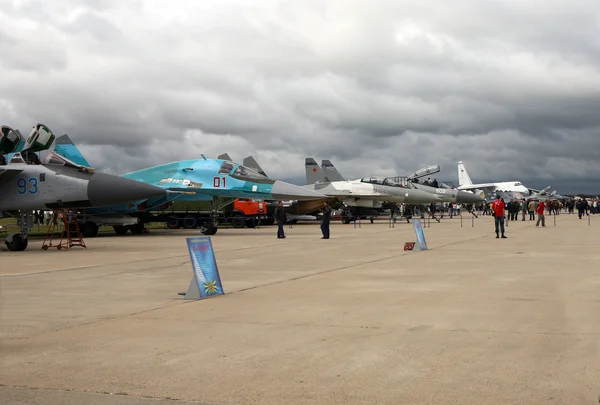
(325, 221)
(540, 214)
(498, 211)
(280, 216)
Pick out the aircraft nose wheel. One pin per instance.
(17, 244)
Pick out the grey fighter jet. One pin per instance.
(366, 192)
(27, 184)
(443, 194)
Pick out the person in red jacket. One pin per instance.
(540, 212)
(498, 208)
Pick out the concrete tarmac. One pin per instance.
(350, 320)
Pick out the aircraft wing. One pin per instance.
(484, 187)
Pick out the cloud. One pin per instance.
(380, 88)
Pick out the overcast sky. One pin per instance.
(379, 87)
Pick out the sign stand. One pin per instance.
(206, 281)
(421, 244)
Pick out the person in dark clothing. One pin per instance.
(434, 183)
(280, 217)
(325, 221)
(581, 208)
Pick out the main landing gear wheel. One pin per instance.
(120, 229)
(17, 244)
(208, 228)
(137, 229)
(89, 230)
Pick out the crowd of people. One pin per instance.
(527, 208)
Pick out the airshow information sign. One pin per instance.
(421, 243)
(206, 281)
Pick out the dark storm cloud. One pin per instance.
(381, 87)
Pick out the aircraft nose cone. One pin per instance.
(462, 197)
(286, 191)
(105, 190)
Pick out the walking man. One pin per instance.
(540, 212)
(280, 217)
(498, 211)
(325, 221)
(531, 208)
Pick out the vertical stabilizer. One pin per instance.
(330, 171)
(463, 176)
(314, 174)
(251, 163)
(225, 156)
(64, 146)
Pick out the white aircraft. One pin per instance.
(465, 183)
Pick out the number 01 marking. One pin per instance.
(30, 185)
(219, 182)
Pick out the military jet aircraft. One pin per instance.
(26, 184)
(366, 192)
(444, 194)
(542, 195)
(197, 180)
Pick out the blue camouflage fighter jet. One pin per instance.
(191, 180)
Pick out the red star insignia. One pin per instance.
(314, 169)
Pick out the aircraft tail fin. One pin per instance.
(463, 176)
(253, 164)
(330, 171)
(225, 156)
(64, 146)
(314, 173)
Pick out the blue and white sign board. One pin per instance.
(206, 281)
(421, 244)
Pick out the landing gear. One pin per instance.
(17, 242)
(210, 227)
(137, 229)
(120, 229)
(89, 230)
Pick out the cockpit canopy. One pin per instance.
(17, 158)
(9, 140)
(387, 181)
(243, 173)
(40, 138)
(56, 159)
